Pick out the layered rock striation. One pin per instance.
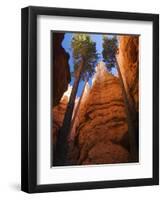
(101, 130)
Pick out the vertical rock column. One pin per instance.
(102, 131)
(60, 68)
(128, 59)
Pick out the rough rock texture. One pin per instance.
(57, 119)
(128, 59)
(60, 69)
(101, 130)
(58, 113)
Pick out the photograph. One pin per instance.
(94, 98)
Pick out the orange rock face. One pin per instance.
(128, 60)
(102, 131)
(58, 115)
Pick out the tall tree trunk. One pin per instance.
(130, 120)
(62, 144)
(78, 105)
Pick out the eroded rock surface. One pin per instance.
(128, 59)
(102, 131)
(58, 113)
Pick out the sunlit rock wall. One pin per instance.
(128, 59)
(102, 131)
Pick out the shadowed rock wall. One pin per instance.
(60, 69)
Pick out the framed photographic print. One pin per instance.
(90, 99)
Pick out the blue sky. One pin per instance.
(67, 46)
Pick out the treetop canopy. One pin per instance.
(84, 48)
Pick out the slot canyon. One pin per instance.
(100, 130)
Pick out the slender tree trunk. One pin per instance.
(62, 144)
(131, 127)
(78, 105)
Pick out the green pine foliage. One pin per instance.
(110, 48)
(84, 48)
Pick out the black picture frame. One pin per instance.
(29, 98)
